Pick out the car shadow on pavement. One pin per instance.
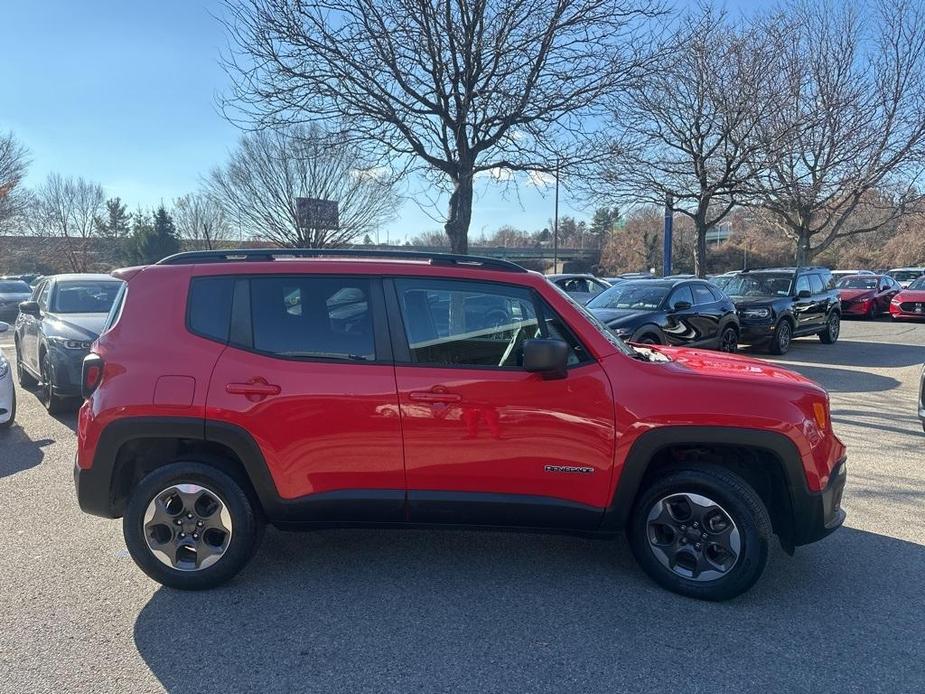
(19, 451)
(367, 610)
(865, 352)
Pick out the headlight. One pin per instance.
(756, 313)
(69, 344)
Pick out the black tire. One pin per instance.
(26, 380)
(53, 403)
(729, 340)
(832, 329)
(246, 531)
(737, 499)
(782, 338)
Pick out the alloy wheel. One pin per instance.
(45, 387)
(834, 327)
(693, 536)
(187, 527)
(729, 341)
(784, 334)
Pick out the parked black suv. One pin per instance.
(778, 304)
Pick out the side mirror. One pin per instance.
(804, 294)
(546, 356)
(681, 306)
(30, 308)
(4, 326)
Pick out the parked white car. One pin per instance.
(7, 392)
(906, 275)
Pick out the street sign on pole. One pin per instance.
(314, 213)
(669, 233)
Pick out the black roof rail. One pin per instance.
(271, 254)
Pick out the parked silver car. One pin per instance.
(582, 288)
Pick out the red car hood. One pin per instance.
(733, 366)
(855, 294)
(910, 295)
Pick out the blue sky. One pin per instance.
(123, 92)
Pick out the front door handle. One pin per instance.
(431, 396)
(255, 389)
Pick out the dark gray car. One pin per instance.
(12, 293)
(54, 331)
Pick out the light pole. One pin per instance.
(669, 229)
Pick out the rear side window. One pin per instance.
(313, 317)
(816, 285)
(717, 293)
(209, 309)
(702, 295)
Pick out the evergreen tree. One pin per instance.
(154, 238)
(603, 224)
(116, 223)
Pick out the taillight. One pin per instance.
(91, 374)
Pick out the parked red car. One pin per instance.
(910, 302)
(866, 296)
(314, 389)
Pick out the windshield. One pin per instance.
(760, 284)
(611, 337)
(14, 287)
(857, 283)
(918, 284)
(85, 296)
(631, 295)
(723, 281)
(904, 275)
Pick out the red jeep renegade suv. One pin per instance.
(314, 389)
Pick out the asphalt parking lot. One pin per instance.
(371, 611)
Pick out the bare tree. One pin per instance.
(686, 132)
(257, 188)
(201, 221)
(14, 160)
(447, 87)
(68, 209)
(852, 133)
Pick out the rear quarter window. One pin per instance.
(209, 307)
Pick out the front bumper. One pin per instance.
(816, 515)
(751, 333)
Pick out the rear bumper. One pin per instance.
(93, 491)
(817, 514)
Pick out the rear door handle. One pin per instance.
(255, 388)
(430, 396)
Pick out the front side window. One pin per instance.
(315, 317)
(85, 296)
(802, 284)
(466, 323)
(681, 294)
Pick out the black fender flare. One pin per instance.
(649, 444)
